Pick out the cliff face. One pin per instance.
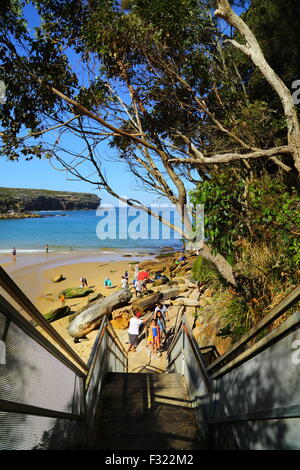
(20, 200)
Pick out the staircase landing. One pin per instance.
(144, 412)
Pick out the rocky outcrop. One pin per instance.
(21, 200)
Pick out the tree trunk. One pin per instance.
(90, 319)
(224, 268)
(147, 302)
(253, 50)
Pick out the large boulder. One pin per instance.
(57, 313)
(91, 317)
(58, 278)
(73, 292)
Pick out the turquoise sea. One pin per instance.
(77, 230)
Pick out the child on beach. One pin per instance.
(156, 336)
(62, 300)
(107, 283)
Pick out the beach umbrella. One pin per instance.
(142, 275)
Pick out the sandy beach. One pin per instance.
(34, 274)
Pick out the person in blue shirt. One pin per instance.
(107, 283)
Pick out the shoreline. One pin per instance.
(33, 273)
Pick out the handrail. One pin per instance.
(276, 312)
(116, 339)
(184, 327)
(10, 312)
(22, 300)
(197, 355)
(275, 335)
(104, 326)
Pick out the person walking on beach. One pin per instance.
(47, 248)
(126, 275)
(136, 271)
(134, 331)
(14, 251)
(138, 288)
(83, 282)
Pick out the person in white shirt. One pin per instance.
(134, 330)
(136, 271)
(138, 288)
(164, 311)
(124, 282)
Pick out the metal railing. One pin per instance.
(248, 398)
(48, 395)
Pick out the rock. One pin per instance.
(120, 322)
(58, 278)
(95, 296)
(187, 302)
(173, 283)
(162, 280)
(73, 292)
(57, 313)
(91, 317)
(172, 293)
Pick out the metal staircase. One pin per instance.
(50, 399)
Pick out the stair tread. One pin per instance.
(145, 411)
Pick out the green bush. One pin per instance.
(204, 271)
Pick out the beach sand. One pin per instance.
(34, 276)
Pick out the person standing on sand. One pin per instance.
(134, 330)
(62, 300)
(136, 271)
(14, 251)
(107, 283)
(138, 288)
(124, 282)
(47, 248)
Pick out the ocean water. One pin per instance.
(115, 229)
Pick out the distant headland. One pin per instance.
(19, 202)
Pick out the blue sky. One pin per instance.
(41, 174)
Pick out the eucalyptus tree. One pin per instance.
(151, 79)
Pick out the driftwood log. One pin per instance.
(147, 302)
(90, 318)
